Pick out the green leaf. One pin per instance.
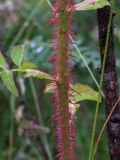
(17, 54)
(8, 80)
(80, 92)
(3, 63)
(91, 5)
(38, 74)
(84, 92)
(27, 65)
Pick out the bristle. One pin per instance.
(63, 116)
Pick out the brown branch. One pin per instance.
(110, 82)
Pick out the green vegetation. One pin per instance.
(26, 84)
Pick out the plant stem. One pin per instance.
(110, 81)
(87, 66)
(63, 117)
(11, 132)
(107, 120)
(38, 111)
(106, 43)
(43, 137)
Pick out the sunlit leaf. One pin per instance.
(37, 74)
(80, 92)
(50, 88)
(8, 81)
(17, 54)
(27, 65)
(91, 5)
(84, 92)
(3, 63)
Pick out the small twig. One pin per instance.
(99, 137)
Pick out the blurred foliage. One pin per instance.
(27, 22)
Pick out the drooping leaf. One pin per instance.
(91, 5)
(37, 74)
(17, 54)
(8, 80)
(3, 63)
(27, 65)
(80, 92)
(84, 92)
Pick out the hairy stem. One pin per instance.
(64, 124)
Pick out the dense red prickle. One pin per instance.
(62, 73)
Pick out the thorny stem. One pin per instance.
(63, 117)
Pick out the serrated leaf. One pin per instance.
(27, 65)
(37, 74)
(80, 92)
(84, 92)
(91, 5)
(3, 63)
(17, 54)
(8, 81)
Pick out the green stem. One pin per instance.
(44, 139)
(87, 66)
(11, 132)
(38, 111)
